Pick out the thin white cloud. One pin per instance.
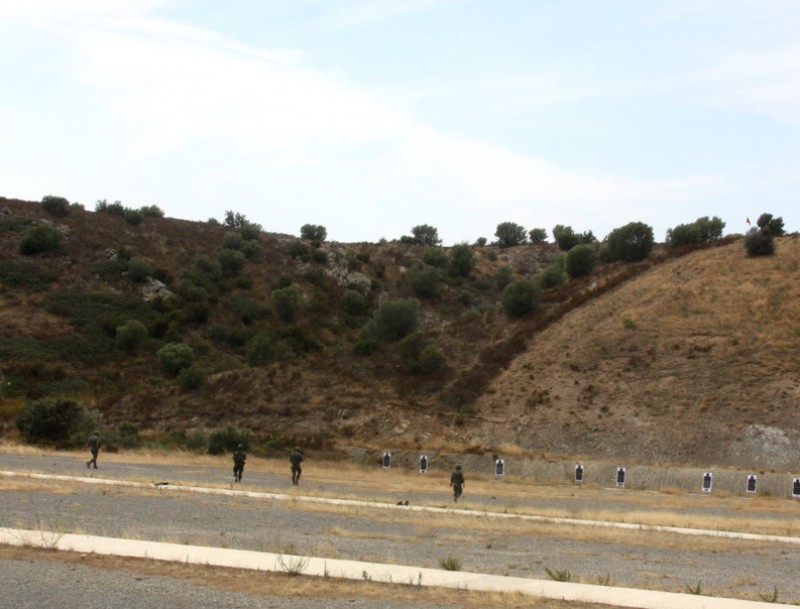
(765, 82)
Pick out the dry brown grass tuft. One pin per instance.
(288, 586)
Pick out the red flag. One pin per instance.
(748, 222)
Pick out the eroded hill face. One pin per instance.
(696, 361)
(690, 359)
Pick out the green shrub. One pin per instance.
(581, 260)
(768, 224)
(354, 303)
(396, 319)
(133, 216)
(233, 241)
(538, 235)
(366, 346)
(434, 256)
(250, 231)
(565, 237)
(116, 208)
(140, 270)
(509, 234)
(425, 234)
(51, 419)
(151, 211)
(554, 274)
(710, 228)
(425, 280)
(24, 274)
(221, 441)
(40, 239)
(15, 224)
(56, 206)
(462, 260)
(192, 378)
(520, 297)
(701, 230)
(503, 277)
(260, 351)
(251, 250)
(131, 335)
(207, 266)
(313, 232)
(231, 261)
(249, 310)
(287, 302)
(759, 242)
(174, 357)
(630, 243)
(98, 314)
(420, 353)
(195, 313)
(278, 345)
(299, 249)
(320, 257)
(263, 349)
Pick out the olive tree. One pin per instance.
(509, 234)
(630, 243)
(581, 260)
(520, 297)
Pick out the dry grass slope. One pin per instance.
(695, 361)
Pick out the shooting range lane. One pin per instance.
(249, 519)
(164, 487)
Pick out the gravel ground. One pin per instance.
(740, 569)
(74, 586)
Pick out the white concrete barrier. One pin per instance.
(377, 572)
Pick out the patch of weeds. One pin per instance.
(293, 566)
(770, 598)
(450, 563)
(605, 580)
(559, 575)
(698, 589)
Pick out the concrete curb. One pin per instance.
(377, 572)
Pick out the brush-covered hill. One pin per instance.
(678, 358)
(697, 360)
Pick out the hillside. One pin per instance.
(680, 359)
(695, 361)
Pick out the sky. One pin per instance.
(372, 117)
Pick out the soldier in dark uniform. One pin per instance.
(296, 458)
(457, 483)
(94, 448)
(239, 457)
